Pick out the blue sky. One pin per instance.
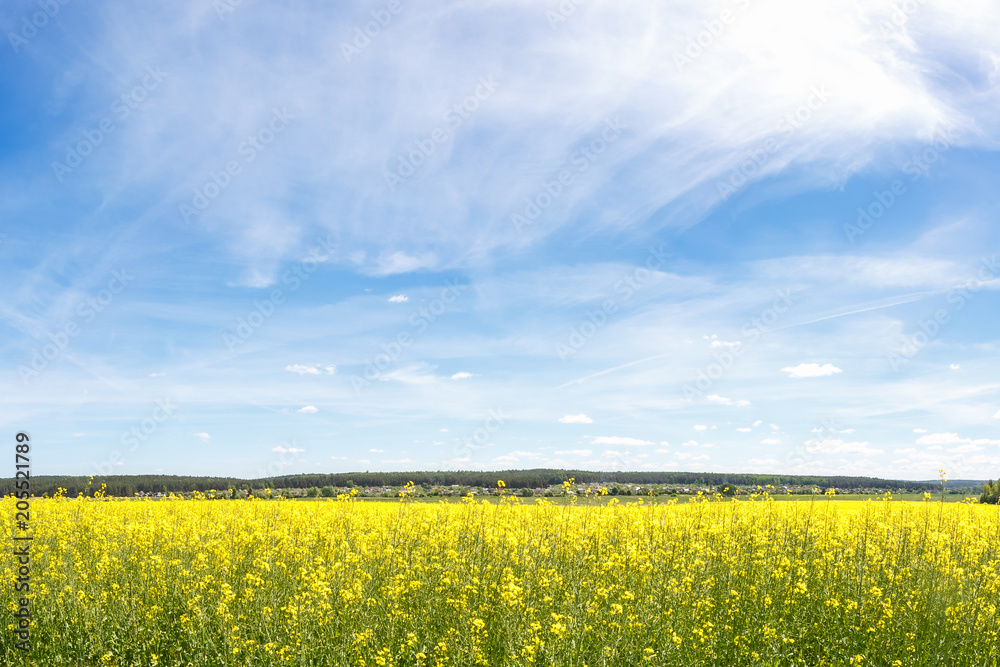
(245, 238)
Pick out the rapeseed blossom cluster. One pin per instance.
(344, 582)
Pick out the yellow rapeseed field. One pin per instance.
(231, 582)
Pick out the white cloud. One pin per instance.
(953, 439)
(462, 375)
(400, 262)
(810, 370)
(515, 456)
(824, 429)
(774, 427)
(339, 458)
(623, 457)
(744, 429)
(695, 443)
(365, 461)
(203, 436)
(399, 298)
(664, 443)
(662, 451)
(763, 464)
(284, 450)
(920, 430)
(574, 452)
(576, 419)
(523, 454)
(422, 373)
(722, 400)
(309, 409)
(840, 447)
(700, 427)
(376, 451)
(444, 430)
(715, 343)
(625, 442)
(770, 441)
(311, 370)
(997, 415)
(254, 279)
(954, 367)
(966, 449)
(905, 450)
(463, 462)
(758, 423)
(684, 456)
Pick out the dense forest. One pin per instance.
(129, 485)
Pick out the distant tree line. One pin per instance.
(124, 485)
(991, 492)
(129, 485)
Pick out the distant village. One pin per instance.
(427, 491)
